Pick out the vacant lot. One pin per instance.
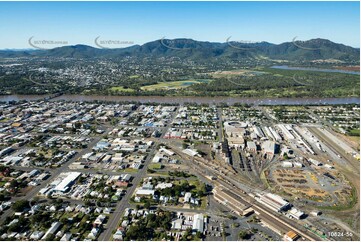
(219, 74)
(172, 85)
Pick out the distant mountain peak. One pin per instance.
(185, 48)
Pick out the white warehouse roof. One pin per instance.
(63, 185)
(198, 223)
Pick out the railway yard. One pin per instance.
(106, 171)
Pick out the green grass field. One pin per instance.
(155, 166)
(354, 132)
(172, 85)
(121, 89)
(130, 170)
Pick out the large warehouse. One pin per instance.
(198, 223)
(68, 181)
(274, 202)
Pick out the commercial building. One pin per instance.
(290, 236)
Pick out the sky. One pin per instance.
(127, 23)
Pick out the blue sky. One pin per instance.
(140, 22)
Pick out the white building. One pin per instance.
(274, 202)
(145, 192)
(67, 182)
(295, 213)
(287, 164)
(66, 237)
(37, 235)
(187, 197)
(198, 223)
(54, 227)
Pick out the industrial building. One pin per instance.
(274, 202)
(67, 182)
(315, 162)
(295, 213)
(287, 164)
(251, 146)
(258, 131)
(276, 136)
(240, 207)
(269, 147)
(286, 131)
(198, 223)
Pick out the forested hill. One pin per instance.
(315, 49)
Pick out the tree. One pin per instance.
(202, 190)
(2, 197)
(50, 237)
(243, 234)
(77, 125)
(199, 235)
(147, 204)
(187, 233)
(20, 205)
(14, 184)
(64, 220)
(88, 203)
(285, 156)
(15, 227)
(35, 200)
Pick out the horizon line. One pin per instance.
(96, 46)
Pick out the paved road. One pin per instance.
(220, 131)
(124, 203)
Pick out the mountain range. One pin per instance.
(314, 49)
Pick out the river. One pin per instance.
(315, 69)
(198, 100)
